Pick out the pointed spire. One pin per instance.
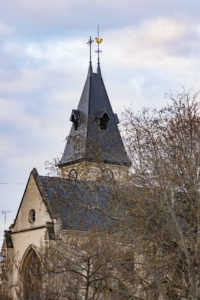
(99, 41)
(94, 134)
(99, 70)
(90, 70)
(90, 41)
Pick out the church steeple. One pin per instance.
(99, 41)
(94, 135)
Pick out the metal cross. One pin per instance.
(90, 41)
(98, 51)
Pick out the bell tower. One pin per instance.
(94, 148)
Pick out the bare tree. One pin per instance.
(85, 266)
(52, 167)
(163, 207)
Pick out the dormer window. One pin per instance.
(103, 119)
(75, 117)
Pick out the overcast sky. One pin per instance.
(150, 47)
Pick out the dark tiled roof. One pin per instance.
(89, 142)
(72, 202)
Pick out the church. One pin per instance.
(50, 205)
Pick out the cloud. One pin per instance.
(7, 145)
(67, 17)
(153, 56)
(163, 46)
(13, 113)
(5, 30)
(157, 52)
(151, 41)
(145, 61)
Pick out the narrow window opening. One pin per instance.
(103, 121)
(31, 216)
(75, 117)
(75, 122)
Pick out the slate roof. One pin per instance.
(72, 202)
(89, 142)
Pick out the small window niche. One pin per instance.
(72, 175)
(31, 216)
(103, 119)
(75, 118)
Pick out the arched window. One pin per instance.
(31, 216)
(32, 276)
(103, 121)
(75, 117)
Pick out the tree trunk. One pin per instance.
(86, 291)
(87, 282)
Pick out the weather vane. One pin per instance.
(90, 41)
(99, 41)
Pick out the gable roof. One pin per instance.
(75, 202)
(86, 141)
(35, 175)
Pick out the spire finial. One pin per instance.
(99, 41)
(90, 41)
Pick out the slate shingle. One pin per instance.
(89, 142)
